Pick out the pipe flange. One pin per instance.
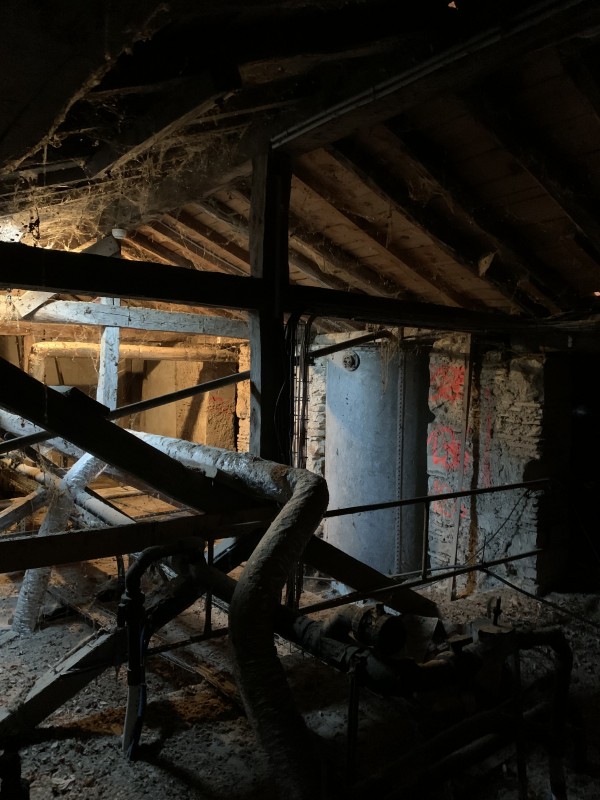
(351, 361)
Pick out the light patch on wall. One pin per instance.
(10, 230)
(484, 263)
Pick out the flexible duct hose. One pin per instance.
(260, 676)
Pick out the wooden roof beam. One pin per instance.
(425, 286)
(23, 267)
(38, 269)
(98, 315)
(217, 258)
(533, 277)
(308, 250)
(461, 64)
(167, 112)
(563, 181)
(442, 232)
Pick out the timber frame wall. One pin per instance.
(267, 294)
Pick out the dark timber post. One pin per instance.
(269, 371)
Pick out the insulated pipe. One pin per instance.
(370, 626)
(35, 582)
(101, 510)
(260, 676)
(42, 350)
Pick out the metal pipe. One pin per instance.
(181, 394)
(135, 408)
(42, 350)
(100, 509)
(132, 615)
(430, 498)
(425, 550)
(336, 348)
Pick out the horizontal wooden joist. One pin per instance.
(26, 551)
(23, 267)
(50, 270)
(66, 312)
(34, 268)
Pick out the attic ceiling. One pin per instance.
(444, 154)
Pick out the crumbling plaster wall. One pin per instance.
(242, 407)
(207, 418)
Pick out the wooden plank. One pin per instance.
(30, 301)
(23, 267)
(22, 507)
(343, 567)
(269, 374)
(564, 181)
(431, 165)
(307, 262)
(28, 551)
(192, 658)
(310, 251)
(463, 250)
(369, 209)
(64, 681)
(460, 64)
(108, 362)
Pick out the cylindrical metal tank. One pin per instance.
(375, 451)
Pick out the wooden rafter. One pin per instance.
(199, 254)
(562, 180)
(533, 276)
(443, 233)
(24, 551)
(312, 253)
(414, 278)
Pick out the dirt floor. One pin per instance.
(196, 741)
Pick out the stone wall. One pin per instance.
(503, 441)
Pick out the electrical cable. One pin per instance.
(480, 552)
